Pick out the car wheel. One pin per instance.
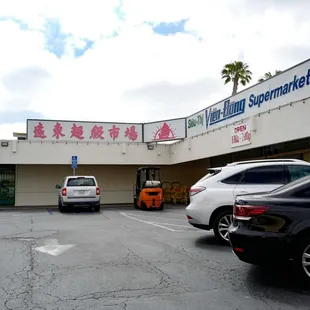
(97, 208)
(302, 259)
(60, 207)
(221, 224)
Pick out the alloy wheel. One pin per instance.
(223, 226)
(306, 260)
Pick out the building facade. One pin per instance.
(267, 120)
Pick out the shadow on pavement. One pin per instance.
(211, 242)
(275, 281)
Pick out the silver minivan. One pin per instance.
(79, 190)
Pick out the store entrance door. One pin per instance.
(7, 185)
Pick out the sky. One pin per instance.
(137, 60)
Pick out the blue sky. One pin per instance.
(56, 38)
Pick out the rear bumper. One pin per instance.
(80, 201)
(259, 248)
(198, 215)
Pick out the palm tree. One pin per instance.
(236, 72)
(268, 75)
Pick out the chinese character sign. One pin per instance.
(241, 133)
(46, 130)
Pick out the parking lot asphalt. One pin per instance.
(122, 258)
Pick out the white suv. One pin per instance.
(78, 190)
(212, 197)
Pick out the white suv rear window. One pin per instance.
(212, 172)
(81, 182)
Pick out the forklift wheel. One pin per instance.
(161, 206)
(135, 204)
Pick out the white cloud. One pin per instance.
(6, 130)
(139, 75)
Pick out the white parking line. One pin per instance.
(169, 224)
(146, 222)
(157, 217)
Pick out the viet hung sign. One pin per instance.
(291, 85)
(83, 131)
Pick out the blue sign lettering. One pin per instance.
(216, 115)
(282, 90)
(230, 109)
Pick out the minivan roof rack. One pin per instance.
(265, 161)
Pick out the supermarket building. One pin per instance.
(268, 120)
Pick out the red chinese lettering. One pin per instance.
(235, 139)
(57, 130)
(114, 132)
(97, 132)
(131, 133)
(38, 131)
(77, 132)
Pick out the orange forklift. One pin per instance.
(148, 192)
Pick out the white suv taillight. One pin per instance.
(64, 192)
(97, 191)
(196, 189)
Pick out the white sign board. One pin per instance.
(165, 130)
(83, 131)
(241, 134)
(196, 124)
(291, 85)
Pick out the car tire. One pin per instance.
(60, 207)
(301, 259)
(97, 208)
(223, 220)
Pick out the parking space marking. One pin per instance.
(146, 222)
(169, 224)
(157, 217)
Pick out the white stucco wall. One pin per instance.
(92, 153)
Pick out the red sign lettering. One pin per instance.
(97, 132)
(131, 133)
(114, 132)
(57, 130)
(38, 131)
(77, 132)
